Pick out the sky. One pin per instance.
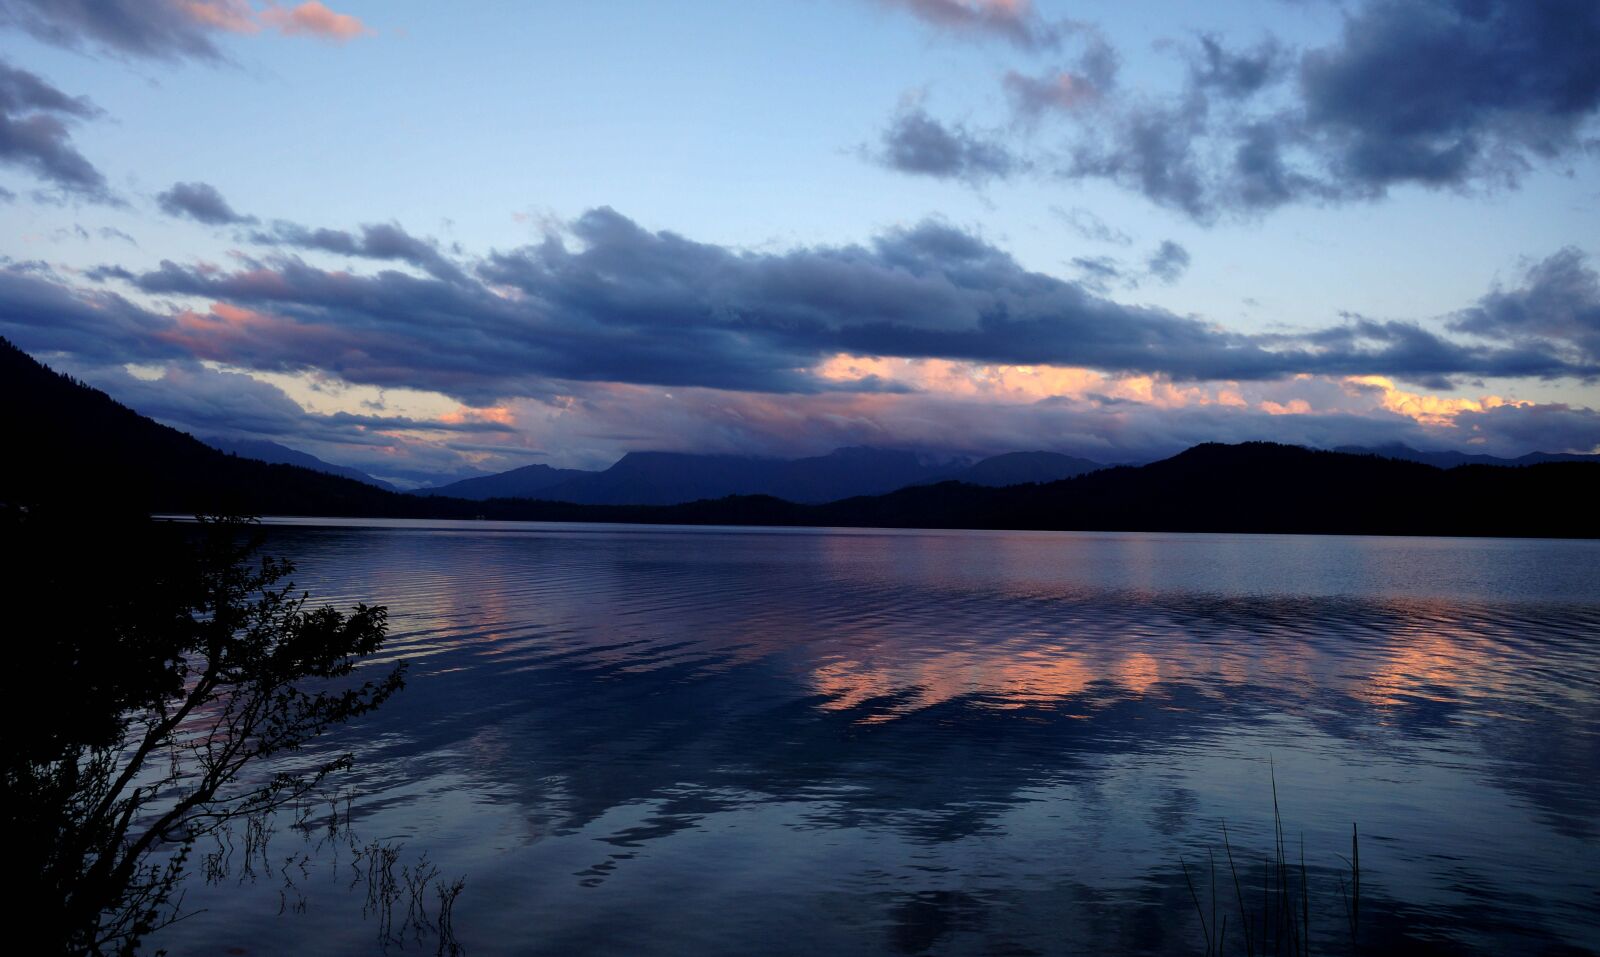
(431, 240)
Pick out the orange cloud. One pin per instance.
(314, 19)
(311, 18)
(498, 414)
(1426, 409)
(1019, 383)
(1292, 407)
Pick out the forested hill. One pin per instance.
(69, 444)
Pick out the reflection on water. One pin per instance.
(714, 741)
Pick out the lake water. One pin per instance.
(667, 741)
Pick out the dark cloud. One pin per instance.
(169, 29)
(162, 29)
(1152, 150)
(1410, 352)
(1559, 302)
(1237, 74)
(617, 303)
(39, 312)
(632, 338)
(1450, 92)
(1441, 94)
(382, 241)
(1169, 262)
(1097, 272)
(200, 202)
(1166, 264)
(35, 134)
(917, 143)
(1012, 20)
(1512, 429)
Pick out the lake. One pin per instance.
(706, 741)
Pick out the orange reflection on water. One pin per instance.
(1008, 678)
(1435, 666)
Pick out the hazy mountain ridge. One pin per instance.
(675, 478)
(670, 478)
(1450, 459)
(1021, 468)
(529, 481)
(272, 453)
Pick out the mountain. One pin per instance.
(73, 446)
(1251, 487)
(1018, 468)
(667, 478)
(274, 454)
(1451, 459)
(530, 481)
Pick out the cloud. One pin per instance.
(1091, 227)
(1169, 262)
(1447, 93)
(1166, 265)
(1097, 272)
(606, 336)
(169, 29)
(40, 312)
(200, 202)
(382, 241)
(145, 28)
(35, 135)
(597, 422)
(1061, 90)
(1559, 302)
(1437, 94)
(314, 19)
(1014, 21)
(1151, 150)
(610, 301)
(917, 143)
(1239, 75)
(1091, 78)
(1553, 427)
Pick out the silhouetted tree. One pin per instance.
(154, 671)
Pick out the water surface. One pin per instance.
(675, 741)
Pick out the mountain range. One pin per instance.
(1453, 459)
(671, 478)
(72, 446)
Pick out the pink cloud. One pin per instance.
(231, 16)
(1014, 20)
(311, 18)
(314, 19)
